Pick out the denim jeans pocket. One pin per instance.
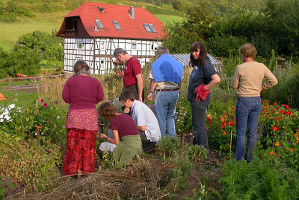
(242, 104)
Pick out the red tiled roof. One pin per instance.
(130, 28)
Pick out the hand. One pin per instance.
(140, 99)
(103, 136)
(150, 96)
(126, 110)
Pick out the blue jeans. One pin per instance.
(247, 113)
(199, 111)
(165, 105)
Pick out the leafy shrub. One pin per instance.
(286, 91)
(278, 134)
(4, 185)
(169, 146)
(26, 163)
(183, 122)
(195, 152)
(49, 118)
(258, 180)
(181, 173)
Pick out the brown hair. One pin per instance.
(248, 50)
(127, 94)
(107, 110)
(80, 65)
(202, 54)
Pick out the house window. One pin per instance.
(116, 25)
(147, 28)
(71, 23)
(99, 24)
(79, 44)
(133, 45)
(150, 28)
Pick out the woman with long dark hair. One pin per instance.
(202, 79)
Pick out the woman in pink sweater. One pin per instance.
(82, 92)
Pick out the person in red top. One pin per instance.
(82, 92)
(125, 134)
(133, 75)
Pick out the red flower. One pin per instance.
(293, 116)
(41, 100)
(224, 133)
(231, 123)
(275, 128)
(233, 107)
(223, 124)
(281, 112)
(291, 149)
(287, 107)
(274, 103)
(45, 105)
(288, 113)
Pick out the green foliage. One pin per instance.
(5, 184)
(169, 146)
(14, 62)
(26, 163)
(258, 180)
(195, 27)
(195, 152)
(24, 122)
(11, 11)
(50, 46)
(181, 173)
(183, 122)
(286, 91)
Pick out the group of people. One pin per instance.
(137, 128)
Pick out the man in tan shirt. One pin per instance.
(248, 79)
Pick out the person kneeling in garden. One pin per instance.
(125, 133)
(145, 119)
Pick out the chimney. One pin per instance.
(132, 12)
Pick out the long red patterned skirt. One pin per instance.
(80, 150)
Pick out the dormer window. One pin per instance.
(99, 24)
(150, 28)
(116, 25)
(71, 23)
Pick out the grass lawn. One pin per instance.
(45, 22)
(18, 98)
(169, 19)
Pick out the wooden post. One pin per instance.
(37, 134)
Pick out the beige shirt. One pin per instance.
(248, 79)
(164, 84)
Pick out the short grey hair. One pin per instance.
(162, 50)
(119, 51)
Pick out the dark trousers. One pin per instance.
(134, 89)
(199, 124)
(147, 146)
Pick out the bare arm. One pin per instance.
(139, 86)
(141, 128)
(153, 86)
(115, 136)
(215, 79)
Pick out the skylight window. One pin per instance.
(99, 24)
(116, 25)
(147, 28)
(150, 28)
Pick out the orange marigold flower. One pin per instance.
(276, 143)
(271, 153)
(295, 134)
(291, 149)
(224, 133)
(275, 128)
